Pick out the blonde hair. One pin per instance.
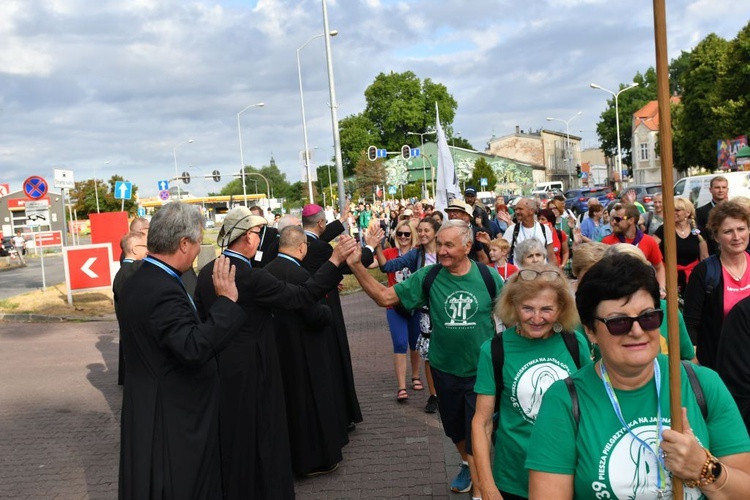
(412, 228)
(586, 255)
(626, 248)
(500, 243)
(516, 290)
(686, 205)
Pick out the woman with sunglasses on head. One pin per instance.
(424, 254)
(536, 352)
(719, 282)
(615, 441)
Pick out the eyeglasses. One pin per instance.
(402, 234)
(531, 275)
(617, 219)
(255, 232)
(621, 325)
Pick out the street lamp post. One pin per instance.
(242, 159)
(334, 111)
(96, 188)
(306, 152)
(421, 153)
(567, 142)
(617, 119)
(177, 175)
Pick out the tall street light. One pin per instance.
(176, 175)
(617, 118)
(306, 152)
(421, 152)
(334, 111)
(96, 188)
(567, 142)
(242, 159)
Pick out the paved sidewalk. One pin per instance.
(60, 410)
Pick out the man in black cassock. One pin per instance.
(317, 432)
(256, 462)
(169, 446)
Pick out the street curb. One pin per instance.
(41, 318)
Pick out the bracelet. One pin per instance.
(726, 479)
(708, 472)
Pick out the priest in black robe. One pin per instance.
(317, 432)
(256, 462)
(169, 446)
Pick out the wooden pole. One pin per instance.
(670, 243)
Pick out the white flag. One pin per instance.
(447, 181)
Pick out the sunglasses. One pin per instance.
(402, 234)
(619, 219)
(621, 325)
(531, 275)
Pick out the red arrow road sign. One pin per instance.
(88, 266)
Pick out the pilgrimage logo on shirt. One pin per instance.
(461, 306)
(532, 381)
(628, 470)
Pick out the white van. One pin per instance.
(696, 188)
(548, 186)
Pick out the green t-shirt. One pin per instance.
(529, 368)
(606, 461)
(461, 315)
(687, 351)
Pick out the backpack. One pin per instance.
(516, 229)
(498, 359)
(436, 268)
(695, 384)
(713, 273)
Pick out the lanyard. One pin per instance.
(661, 470)
(283, 256)
(170, 272)
(312, 235)
(237, 255)
(525, 234)
(129, 261)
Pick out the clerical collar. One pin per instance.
(289, 257)
(311, 234)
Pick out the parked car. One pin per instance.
(645, 194)
(577, 200)
(210, 223)
(6, 247)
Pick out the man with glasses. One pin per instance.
(624, 220)
(461, 315)
(255, 455)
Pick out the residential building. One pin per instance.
(645, 140)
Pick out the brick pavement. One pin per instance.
(60, 410)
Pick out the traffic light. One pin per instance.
(372, 153)
(405, 152)
(216, 175)
(186, 177)
(578, 171)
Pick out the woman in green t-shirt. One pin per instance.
(616, 441)
(538, 302)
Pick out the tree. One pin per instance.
(368, 174)
(732, 110)
(698, 123)
(85, 197)
(482, 170)
(396, 103)
(460, 142)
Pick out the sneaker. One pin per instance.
(322, 470)
(462, 482)
(431, 406)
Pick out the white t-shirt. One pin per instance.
(19, 241)
(540, 232)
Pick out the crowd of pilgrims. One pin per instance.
(541, 335)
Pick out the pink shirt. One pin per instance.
(734, 290)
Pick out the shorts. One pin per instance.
(423, 346)
(457, 403)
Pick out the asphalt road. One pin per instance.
(15, 281)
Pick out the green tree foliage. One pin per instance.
(733, 108)
(368, 174)
(482, 170)
(396, 103)
(698, 122)
(85, 197)
(460, 142)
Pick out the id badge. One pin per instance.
(258, 255)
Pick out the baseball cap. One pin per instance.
(459, 205)
(311, 209)
(470, 190)
(236, 223)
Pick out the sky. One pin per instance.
(105, 87)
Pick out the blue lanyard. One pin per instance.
(311, 234)
(129, 261)
(661, 470)
(289, 258)
(170, 272)
(237, 255)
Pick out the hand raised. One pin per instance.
(345, 246)
(355, 257)
(374, 236)
(223, 278)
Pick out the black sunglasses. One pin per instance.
(621, 325)
(399, 233)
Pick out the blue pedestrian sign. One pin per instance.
(391, 189)
(141, 212)
(483, 181)
(123, 190)
(163, 185)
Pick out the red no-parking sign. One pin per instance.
(87, 267)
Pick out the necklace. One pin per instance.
(683, 231)
(736, 276)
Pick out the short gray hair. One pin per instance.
(170, 224)
(467, 234)
(525, 248)
(291, 236)
(286, 221)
